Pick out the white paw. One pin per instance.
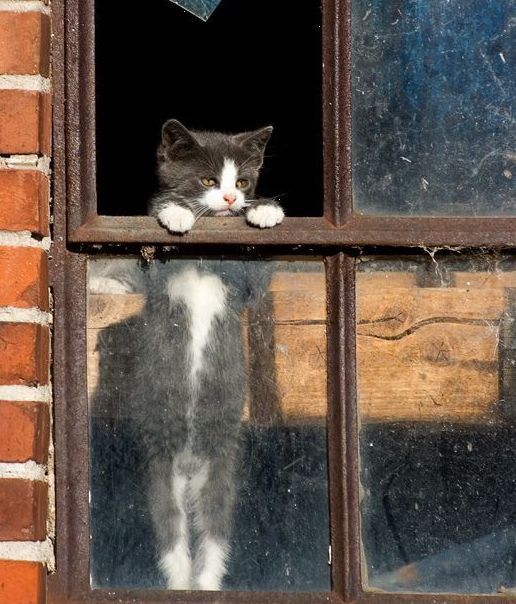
(213, 555)
(176, 218)
(208, 582)
(176, 565)
(108, 285)
(265, 216)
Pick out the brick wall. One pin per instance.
(25, 119)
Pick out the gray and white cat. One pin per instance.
(185, 391)
(210, 174)
(186, 404)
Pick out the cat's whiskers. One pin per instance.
(201, 211)
(197, 207)
(264, 199)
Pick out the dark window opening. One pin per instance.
(252, 64)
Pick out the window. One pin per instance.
(280, 528)
(401, 410)
(279, 66)
(437, 429)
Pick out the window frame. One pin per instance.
(338, 226)
(79, 232)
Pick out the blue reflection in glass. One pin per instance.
(434, 127)
(200, 8)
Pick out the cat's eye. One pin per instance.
(242, 183)
(208, 182)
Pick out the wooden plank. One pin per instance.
(92, 336)
(428, 354)
(396, 311)
(284, 281)
(299, 297)
(373, 282)
(440, 372)
(106, 309)
(301, 373)
(484, 280)
(299, 307)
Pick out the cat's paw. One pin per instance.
(176, 219)
(108, 285)
(265, 216)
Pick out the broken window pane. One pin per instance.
(207, 390)
(436, 346)
(434, 101)
(200, 8)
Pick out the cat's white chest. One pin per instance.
(204, 296)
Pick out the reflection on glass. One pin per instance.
(434, 107)
(436, 345)
(207, 389)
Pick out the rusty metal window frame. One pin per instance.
(338, 226)
(78, 232)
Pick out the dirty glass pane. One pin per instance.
(207, 392)
(436, 346)
(434, 101)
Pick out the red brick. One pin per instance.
(23, 510)
(24, 201)
(25, 271)
(25, 121)
(24, 354)
(22, 582)
(25, 432)
(24, 43)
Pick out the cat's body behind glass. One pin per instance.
(183, 393)
(210, 174)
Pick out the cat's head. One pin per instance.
(213, 173)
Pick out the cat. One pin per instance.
(183, 393)
(201, 174)
(210, 174)
(184, 389)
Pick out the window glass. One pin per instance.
(207, 390)
(434, 89)
(436, 387)
(200, 8)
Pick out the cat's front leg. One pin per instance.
(175, 218)
(265, 214)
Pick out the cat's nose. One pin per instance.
(230, 198)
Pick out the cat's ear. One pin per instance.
(176, 140)
(255, 141)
